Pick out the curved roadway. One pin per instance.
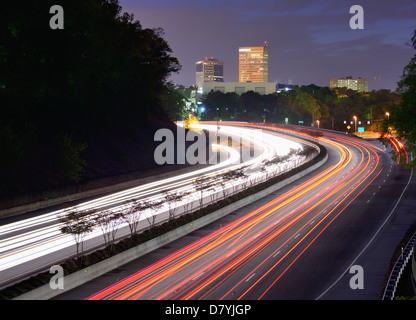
(28, 246)
(296, 245)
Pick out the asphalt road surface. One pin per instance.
(32, 245)
(298, 243)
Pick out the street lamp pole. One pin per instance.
(217, 120)
(355, 121)
(313, 111)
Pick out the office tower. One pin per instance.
(359, 85)
(209, 70)
(253, 64)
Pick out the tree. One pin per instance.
(214, 103)
(72, 164)
(108, 221)
(132, 213)
(232, 177)
(253, 106)
(77, 224)
(309, 104)
(151, 216)
(403, 115)
(172, 197)
(202, 184)
(174, 104)
(65, 92)
(188, 202)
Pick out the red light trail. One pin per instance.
(220, 265)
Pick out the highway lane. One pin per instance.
(32, 245)
(283, 249)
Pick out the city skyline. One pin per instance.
(310, 42)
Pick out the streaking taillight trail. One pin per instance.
(298, 216)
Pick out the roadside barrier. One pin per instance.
(397, 271)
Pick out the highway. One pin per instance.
(295, 245)
(29, 246)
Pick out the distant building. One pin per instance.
(209, 70)
(359, 85)
(262, 88)
(253, 64)
(253, 75)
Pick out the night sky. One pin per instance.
(310, 41)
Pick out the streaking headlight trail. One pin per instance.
(36, 243)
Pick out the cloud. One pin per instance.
(309, 40)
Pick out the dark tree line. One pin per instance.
(65, 92)
(402, 120)
(303, 103)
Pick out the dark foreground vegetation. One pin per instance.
(81, 102)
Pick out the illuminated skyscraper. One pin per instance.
(209, 70)
(253, 64)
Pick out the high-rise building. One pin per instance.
(359, 85)
(253, 64)
(209, 70)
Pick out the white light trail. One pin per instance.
(36, 237)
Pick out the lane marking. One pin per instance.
(198, 276)
(369, 242)
(250, 277)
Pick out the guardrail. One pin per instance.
(399, 266)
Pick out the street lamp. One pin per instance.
(355, 121)
(217, 120)
(202, 110)
(314, 105)
(388, 115)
